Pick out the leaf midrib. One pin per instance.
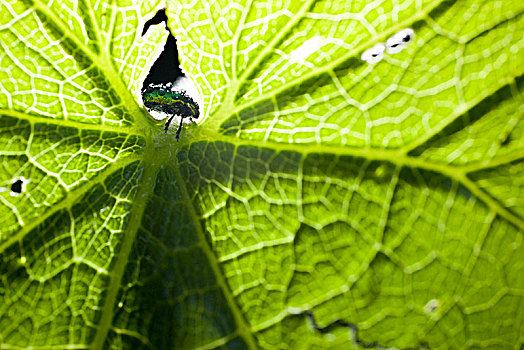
(67, 202)
(243, 328)
(398, 158)
(229, 101)
(34, 119)
(145, 188)
(229, 107)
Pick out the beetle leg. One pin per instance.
(179, 128)
(168, 122)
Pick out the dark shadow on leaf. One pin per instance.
(467, 119)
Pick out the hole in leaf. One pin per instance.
(167, 67)
(18, 186)
(159, 17)
(167, 93)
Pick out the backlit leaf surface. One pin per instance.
(321, 202)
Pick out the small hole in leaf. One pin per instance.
(18, 186)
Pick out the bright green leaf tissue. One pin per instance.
(320, 201)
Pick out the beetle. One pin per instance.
(162, 98)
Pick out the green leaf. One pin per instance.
(320, 202)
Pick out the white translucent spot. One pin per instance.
(157, 115)
(294, 310)
(374, 54)
(431, 306)
(301, 53)
(399, 41)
